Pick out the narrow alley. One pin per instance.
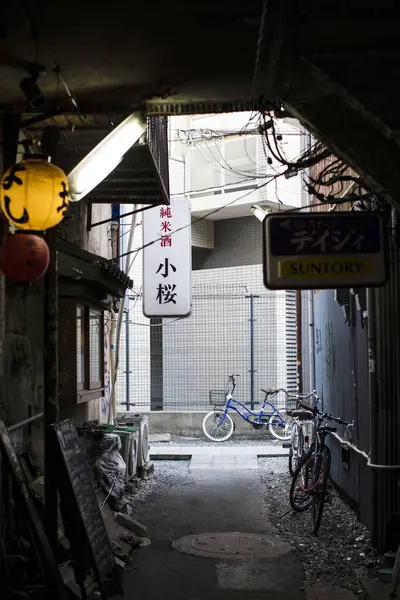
(180, 502)
(199, 300)
(200, 502)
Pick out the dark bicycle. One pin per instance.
(310, 479)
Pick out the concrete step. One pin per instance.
(187, 452)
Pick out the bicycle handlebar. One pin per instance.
(325, 415)
(274, 391)
(306, 396)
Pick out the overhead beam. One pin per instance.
(353, 133)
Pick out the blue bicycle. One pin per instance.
(218, 424)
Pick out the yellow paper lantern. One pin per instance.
(34, 194)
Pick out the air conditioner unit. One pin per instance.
(129, 451)
(142, 423)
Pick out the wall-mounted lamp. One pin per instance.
(30, 87)
(105, 157)
(32, 92)
(259, 212)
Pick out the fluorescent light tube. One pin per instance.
(105, 157)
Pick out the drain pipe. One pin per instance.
(311, 338)
(112, 407)
(299, 345)
(306, 200)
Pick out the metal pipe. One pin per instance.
(299, 342)
(362, 453)
(306, 143)
(311, 334)
(26, 422)
(127, 362)
(112, 408)
(50, 140)
(373, 409)
(112, 219)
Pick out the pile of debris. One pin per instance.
(118, 459)
(114, 453)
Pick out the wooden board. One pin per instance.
(84, 524)
(47, 562)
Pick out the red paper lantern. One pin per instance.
(25, 258)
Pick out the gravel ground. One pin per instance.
(166, 473)
(340, 553)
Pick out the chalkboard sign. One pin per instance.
(83, 521)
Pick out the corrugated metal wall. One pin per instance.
(341, 369)
(388, 417)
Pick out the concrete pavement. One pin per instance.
(198, 502)
(218, 457)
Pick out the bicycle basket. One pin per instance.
(217, 397)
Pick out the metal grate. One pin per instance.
(199, 108)
(157, 139)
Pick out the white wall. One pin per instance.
(206, 158)
(183, 346)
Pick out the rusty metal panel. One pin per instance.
(341, 369)
(333, 188)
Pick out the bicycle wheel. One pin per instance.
(217, 427)
(300, 495)
(280, 425)
(297, 450)
(294, 436)
(320, 483)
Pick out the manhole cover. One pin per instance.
(224, 545)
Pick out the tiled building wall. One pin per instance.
(200, 351)
(237, 242)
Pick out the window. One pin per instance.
(219, 163)
(89, 348)
(80, 348)
(96, 349)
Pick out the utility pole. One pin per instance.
(252, 369)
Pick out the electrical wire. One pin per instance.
(212, 212)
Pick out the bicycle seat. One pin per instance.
(302, 414)
(267, 390)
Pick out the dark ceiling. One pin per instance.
(333, 65)
(117, 55)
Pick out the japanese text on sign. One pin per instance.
(317, 250)
(167, 261)
(316, 235)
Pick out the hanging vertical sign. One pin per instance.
(167, 260)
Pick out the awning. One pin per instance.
(82, 274)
